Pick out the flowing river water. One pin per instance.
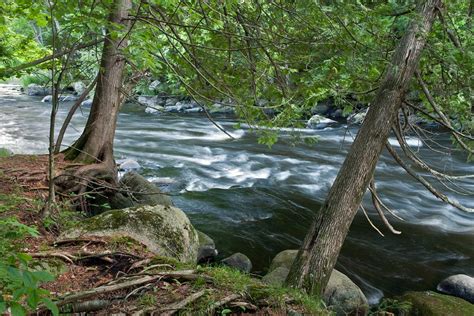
(259, 200)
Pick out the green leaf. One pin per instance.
(17, 309)
(51, 306)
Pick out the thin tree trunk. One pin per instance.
(96, 142)
(316, 259)
(54, 106)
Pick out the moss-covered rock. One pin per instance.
(238, 261)
(138, 191)
(434, 304)
(342, 295)
(164, 230)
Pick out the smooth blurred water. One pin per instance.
(259, 200)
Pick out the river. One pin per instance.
(259, 200)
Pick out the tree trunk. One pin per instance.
(318, 255)
(95, 145)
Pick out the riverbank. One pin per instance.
(118, 274)
(104, 275)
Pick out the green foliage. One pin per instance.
(9, 201)
(40, 78)
(19, 284)
(4, 152)
(394, 306)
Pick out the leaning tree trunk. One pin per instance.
(316, 259)
(95, 145)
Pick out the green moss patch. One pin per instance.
(434, 304)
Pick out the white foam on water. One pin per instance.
(164, 180)
(242, 174)
(283, 175)
(411, 141)
(312, 188)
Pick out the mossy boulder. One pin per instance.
(136, 190)
(164, 230)
(238, 261)
(434, 304)
(341, 295)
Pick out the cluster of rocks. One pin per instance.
(342, 295)
(68, 94)
(157, 104)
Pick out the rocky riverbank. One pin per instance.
(145, 232)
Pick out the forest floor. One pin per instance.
(107, 276)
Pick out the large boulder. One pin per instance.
(238, 261)
(459, 285)
(37, 90)
(342, 295)
(434, 304)
(136, 190)
(164, 230)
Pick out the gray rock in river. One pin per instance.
(157, 109)
(37, 90)
(194, 110)
(87, 103)
(138, 191)
(238, 261)
(207, 251)
(151, 100)
(341, 294)
(170, 102)
(129, 165)
(318, 121)
(61, 98)
(218, 108)
(460, 285)
(164, 230)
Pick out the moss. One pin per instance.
(230, 279)
(434, 304)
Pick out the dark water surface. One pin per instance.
(260, 201)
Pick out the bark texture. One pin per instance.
(95, 145)
(321, 247)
